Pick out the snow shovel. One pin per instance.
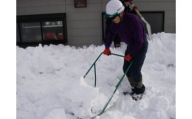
(117, 86)
(94, 64)
(143, 19)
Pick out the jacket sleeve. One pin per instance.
(138, 38)
(110, 35)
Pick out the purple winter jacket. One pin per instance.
(131, 31)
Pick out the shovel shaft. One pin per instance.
(96, 61)
(117, 55)
(92, 65)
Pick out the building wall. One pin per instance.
(84, 25)
(27, 7)
(169, 6)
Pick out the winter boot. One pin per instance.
(138, 89)
(137, 93)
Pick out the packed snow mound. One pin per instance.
(50, 83)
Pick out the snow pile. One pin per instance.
(50, 83)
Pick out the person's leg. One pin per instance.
(131, 81)
(125, 66)
(136, 69)
(134, 74)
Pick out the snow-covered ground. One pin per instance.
(50, 83)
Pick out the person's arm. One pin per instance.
(109, 39)
(110, 35)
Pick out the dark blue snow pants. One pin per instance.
(135, 70)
